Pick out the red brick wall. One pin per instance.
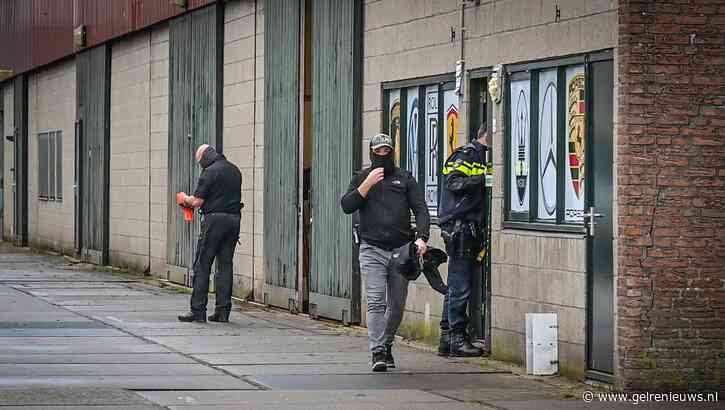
(671, 194)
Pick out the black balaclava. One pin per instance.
(209, 157)
(386, 162)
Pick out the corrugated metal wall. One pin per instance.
(281, 134)
(93, 73)
(20, 163)
(38, 32)
(336, 124)
(195, 110)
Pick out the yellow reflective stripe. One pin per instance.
(466, 168)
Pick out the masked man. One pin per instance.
(384, 195)
(218, 194)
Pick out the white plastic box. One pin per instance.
(542, 351)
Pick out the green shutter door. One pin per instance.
(195, 109)
(281, 157)
(334, 277)
(93, 76)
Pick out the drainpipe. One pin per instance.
(254, 154)
(461, 77)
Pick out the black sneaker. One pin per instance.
(377, 364)
(389, 361)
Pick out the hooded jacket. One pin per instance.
(385, 211)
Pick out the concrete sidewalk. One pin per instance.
(73, 338)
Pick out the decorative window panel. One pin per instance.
(452, 139)
(575, 137)
(520, 135)
(413, 121)
(431, 147)
(394, 118)
(548, 139)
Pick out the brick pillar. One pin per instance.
(671, 194)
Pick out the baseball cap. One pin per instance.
(381, 140)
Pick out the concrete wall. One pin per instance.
(52, 107)
(6, 93)
(243, 105)
(531, 272)
(130, 151)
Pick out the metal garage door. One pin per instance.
(281, 156)
(195, 118)
(93, 96)
(334, 277)
(20, 163)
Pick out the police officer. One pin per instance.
(218, 194)
(384, 195)
(461, 221)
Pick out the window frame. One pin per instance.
(443, 82)
(532, 70)
(53, 146)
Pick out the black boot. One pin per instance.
(193, 317)
(461, 347)
(220, 315)
(444, 345)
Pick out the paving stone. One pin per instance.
(109, 358)
(69, 396)
(206, 382)
(105, 369)
(254, 399)
(428, 382)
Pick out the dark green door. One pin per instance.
(336, 90)
(281, 151)
(598, 218)
(93, 85)
(20, 163)
(195, 118)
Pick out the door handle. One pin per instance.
(591, 215)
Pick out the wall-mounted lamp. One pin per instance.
(180, 3)
(5, 74)
(79, 36)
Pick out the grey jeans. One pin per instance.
(386, 294)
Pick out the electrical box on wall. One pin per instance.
(542, 350)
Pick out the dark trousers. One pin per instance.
(460, 283)
(218, 239)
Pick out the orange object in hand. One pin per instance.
(188, 212)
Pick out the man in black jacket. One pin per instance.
(461, 221)
(218, 194)
(384, 195)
